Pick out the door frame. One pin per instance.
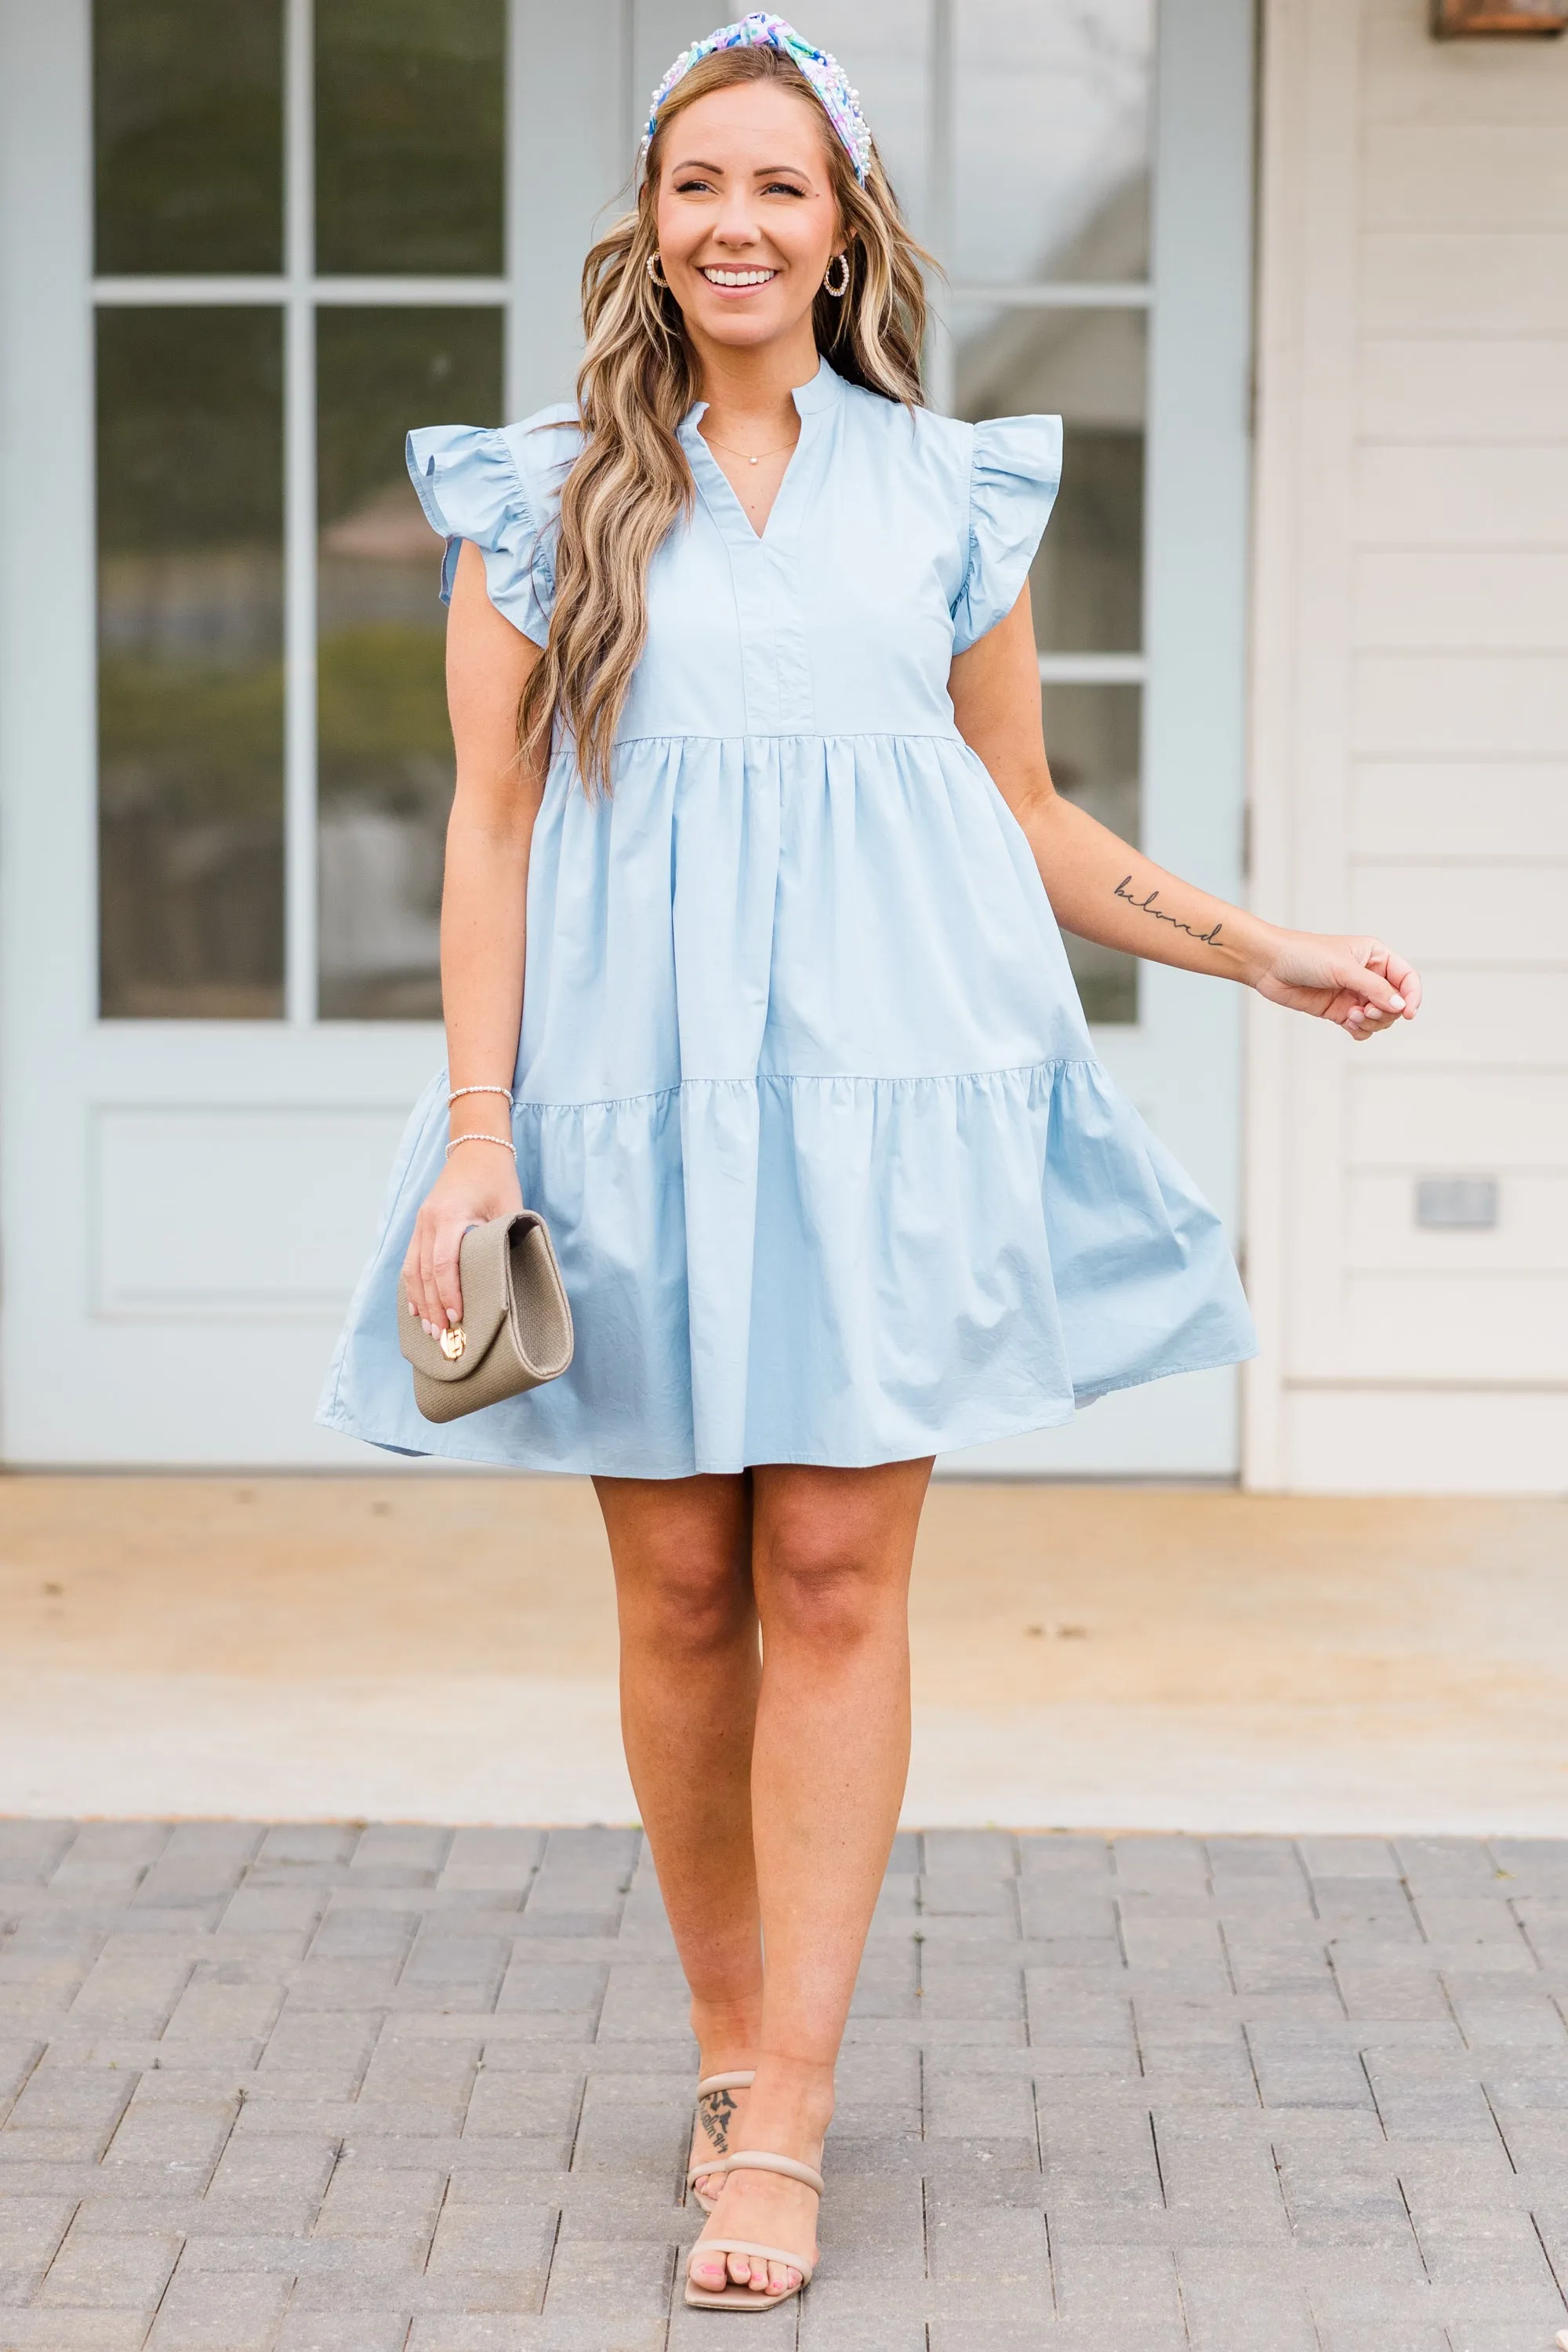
(88, 1374)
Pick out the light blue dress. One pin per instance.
(803, 1087)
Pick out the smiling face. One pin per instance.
(747, 221)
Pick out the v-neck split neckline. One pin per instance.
(719, 493)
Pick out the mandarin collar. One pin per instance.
(818, 393)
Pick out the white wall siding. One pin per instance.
(1410, 747)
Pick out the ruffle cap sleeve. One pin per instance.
(501, 490)
(1015, 472)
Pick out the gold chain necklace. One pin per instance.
(714, 443)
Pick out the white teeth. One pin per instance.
(738, 277)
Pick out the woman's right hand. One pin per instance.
(479, 1182)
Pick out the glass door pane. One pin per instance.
(1052, 116)
(190, 529)
(1092, 737)
(188, 134)
(410, 127)
(385, 748)
(1090, 367)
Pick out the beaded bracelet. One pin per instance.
(452, 1097)
(504, 1142)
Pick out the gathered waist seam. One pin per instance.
(789, 735)
(810, 1078)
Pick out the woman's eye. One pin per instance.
(689, 187)
(783, 188)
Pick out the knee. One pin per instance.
(816, 1586)
(686, 1599)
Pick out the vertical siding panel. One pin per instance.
(1410, 707)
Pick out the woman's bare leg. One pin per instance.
(690, 1673)
(830, 1553)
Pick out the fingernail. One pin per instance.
(452, 1315)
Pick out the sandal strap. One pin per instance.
(758, 2160)
(759, 2253)
(706, 2169)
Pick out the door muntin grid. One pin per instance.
(1048, 164)
(1020, 139)
(272, 802)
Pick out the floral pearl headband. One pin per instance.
(760, 31)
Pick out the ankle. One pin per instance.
(793, 2095)
(727, 2035)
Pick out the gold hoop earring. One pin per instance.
(839, 292)
(654, 268)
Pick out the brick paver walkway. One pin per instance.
(357, 2090)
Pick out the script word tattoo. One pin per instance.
(1147, 907)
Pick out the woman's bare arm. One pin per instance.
(1101, 888)
(483, 909)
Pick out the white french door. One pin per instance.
(1103, 160)
(241, 250)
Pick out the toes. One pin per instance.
(762, 2278)
(709, 2271)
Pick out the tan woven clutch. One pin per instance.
(516, 1330)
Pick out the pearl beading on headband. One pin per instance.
(840, 102)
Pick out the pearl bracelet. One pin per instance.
(452, 1097)
(504, 1142)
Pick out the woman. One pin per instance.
(803, 1085)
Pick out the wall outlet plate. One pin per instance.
(1456, 1203)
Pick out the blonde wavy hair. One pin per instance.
(630, 483)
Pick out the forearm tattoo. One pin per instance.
(1147, 907)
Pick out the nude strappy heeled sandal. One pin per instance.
(710, 2083)
(751, 2299)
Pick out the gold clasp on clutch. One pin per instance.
(452, 1342)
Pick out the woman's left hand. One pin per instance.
(1359, 984)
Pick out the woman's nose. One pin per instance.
(736, 225)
